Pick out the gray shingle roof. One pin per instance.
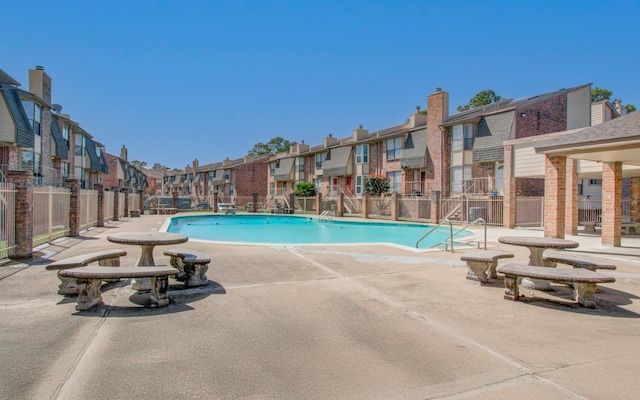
(337, 161)
(493, 130)
(24, 134)
(620, 129)
(415, 150)
(283, 170)
(219, 176)
(62, 147)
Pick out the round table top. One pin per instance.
(530, 241)
(148, 238)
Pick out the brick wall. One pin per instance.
(611, 203)
(251, 177)
(110, 180)
(544, 117)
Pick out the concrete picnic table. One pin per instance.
(538, 245)
(147, 241)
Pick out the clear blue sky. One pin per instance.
(178, 80)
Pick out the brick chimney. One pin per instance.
(437, 149)
(619, 107)
(123, 153)
(40, 83)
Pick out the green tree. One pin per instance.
(157, 166)
(482, 98)
(275, 145)
(305, 189)
(375, 185)
(599, 94)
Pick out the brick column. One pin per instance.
(23, 223)
(611, 203)
(318, 203)
(100, 188)
(365, 205)
(554, 196)
(126, 201)
(635, 199)
(215, 201)
(292, 201)
(340, 206)
(435, 207)
(571, 202)
(394, 206)
(74, 206)
(116, 203)
(175, 199)
(254, 197)
(509, 189)
(141, 205)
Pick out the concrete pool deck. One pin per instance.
(328, 322)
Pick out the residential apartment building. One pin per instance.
(36, 137)
(124, 175)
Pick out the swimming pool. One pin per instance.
(291, 230)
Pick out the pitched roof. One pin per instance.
(493, 130)
(24, 134)
(62, 147)
(283, 169)
(415, 150)
(622, 133)
(8, 79)
(506, 104)
(337, 161)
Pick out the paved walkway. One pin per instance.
(328, 322)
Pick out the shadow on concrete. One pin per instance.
(179, 299)
(560, 297)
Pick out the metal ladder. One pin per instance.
(326, 214)
(452, 234)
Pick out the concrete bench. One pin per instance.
(227, 208)
(482, 263)
(589, 226)
(191, 264)
(583, 280)
(551, 260)
(90, 280)
(629, 228)
(104, 258)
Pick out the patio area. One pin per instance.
(329, 322)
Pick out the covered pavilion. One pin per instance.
(615, 147)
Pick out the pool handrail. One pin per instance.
(451, 234)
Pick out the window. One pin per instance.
(394, 148)
(395, 181)
(230, 189)
(359, 184)
(458, 176)
(595, 181)
(362, 154)
(65, 170)
(318, 183)
(320, 157)
(79, 149)
(300, 164)
(272, 168)
(65, 132)
(462, 137)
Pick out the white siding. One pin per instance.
(579, 108)
(7, 127)
(589, 167)
(528, 164)
(596, 114)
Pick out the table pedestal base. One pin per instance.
(535, 284)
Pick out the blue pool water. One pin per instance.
(280, 229)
